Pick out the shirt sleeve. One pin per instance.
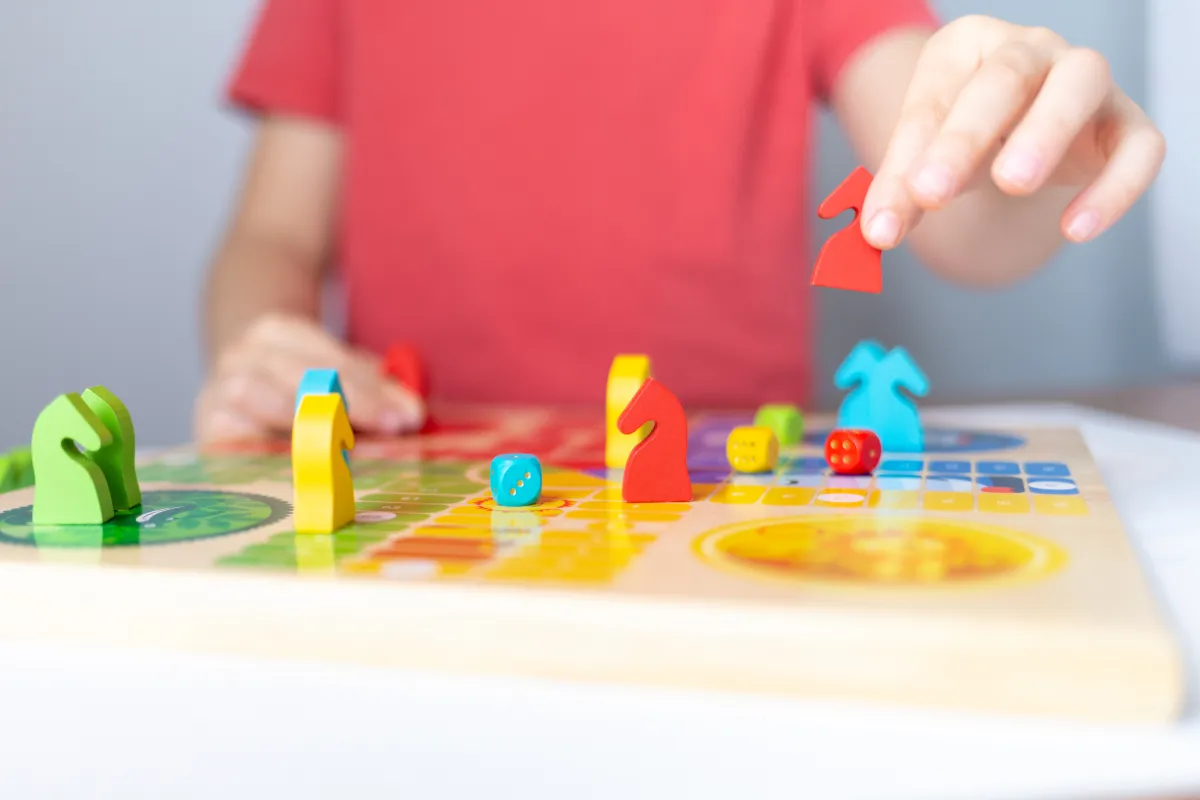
(290, 62)
(841, 27)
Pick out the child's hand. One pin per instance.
(251, 392)
(1025, 105)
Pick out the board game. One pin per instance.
(989, 572)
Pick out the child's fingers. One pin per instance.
(373, 404)
(986, 109)
(284, 348)
(380, 406)
(889, 209)
(1076, 89)
(225, 425)
(255, 394)
(1137, 158)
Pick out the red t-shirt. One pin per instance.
(533, 186)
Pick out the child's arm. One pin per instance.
(263, 300)
(992, 142)
(274, 255)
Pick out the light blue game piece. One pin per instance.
(322, 381)
(877, 403)
(859, 366)
(516, 479)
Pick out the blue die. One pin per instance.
(516, 479)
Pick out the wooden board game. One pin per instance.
(988, 573)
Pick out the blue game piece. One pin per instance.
(322, 381)
(855, 411)
(877, 403)
(516, 479)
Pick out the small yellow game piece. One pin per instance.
(324, 489)
(752, 448)
(625, 378)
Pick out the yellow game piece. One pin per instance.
(324, 490)
(625, 377)
(752, 448)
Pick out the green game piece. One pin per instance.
(785, 420)
(22, 461)
(16, 470)
(71, 489)
(116, 460)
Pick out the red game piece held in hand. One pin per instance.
(656, 471)
(403, 364)
(853, 452)
(848, 261)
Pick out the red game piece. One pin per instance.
(848, 261)
(853, 452)
(403, 364)
(656, 471)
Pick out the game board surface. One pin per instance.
(989, 572)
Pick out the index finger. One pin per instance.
(889, 210)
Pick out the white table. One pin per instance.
(78, 722)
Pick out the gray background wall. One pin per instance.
(117, 166)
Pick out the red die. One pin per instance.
(853, 452)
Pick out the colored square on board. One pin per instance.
(897, 501)
(997, 468)
(952, 467)
(1059, 506)
(1054, 486)
(810, 479)
(1001, 484)
(842, 498)
(1004, 503)
(806, 464)
(948, 501)
(764, 479)
(707, 459)
(898, 483)
(781, 496)
(738, 495)
(849, 481)
(1047, 469)
(901, 465)
(947, 484)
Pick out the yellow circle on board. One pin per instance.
(891, 551)
(545, 504)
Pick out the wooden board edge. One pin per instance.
(1015, 668)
